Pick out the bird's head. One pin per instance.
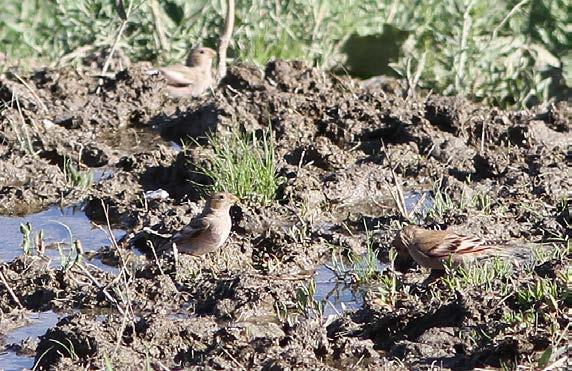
(202, 57)
(406, 234)
(404, 237)
(222, 201)
(400, 243)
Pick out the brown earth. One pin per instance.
(227, 310)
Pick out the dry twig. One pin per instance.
(10, 291)
(159, 29)
(125, 17)
(225, 38)
(36, 97)
(398, 195)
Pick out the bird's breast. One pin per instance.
(221, 231)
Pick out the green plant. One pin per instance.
(26, 231)
(444, 203)
(550, 251)
(107, 364)
(70, 349)
(243, 165)
(500, 53)
(73, 257)
(356, 268)
(388, 288)
(511, 52)
(23, 136)
(75, 254)
(485, 275)
(38, 242)
(541, 291)
(522, 318)
(483, 202)
(365, 267)
(306, 302)
(75, 177)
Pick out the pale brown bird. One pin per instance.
(431, 249)
(209, 230)
(194, 79)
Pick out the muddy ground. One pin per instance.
(505, 174)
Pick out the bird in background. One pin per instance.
(191, 80)
(209, 230)
(432, 248)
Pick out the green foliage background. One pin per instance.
(505, 53)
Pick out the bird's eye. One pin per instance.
(202, 52)
(221, 197)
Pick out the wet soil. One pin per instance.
(499, 175)
(57, 225)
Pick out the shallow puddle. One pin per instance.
(336, 295)
(38, 324)
(334, 291)
(101, 174)
(10, 361)
(418, 203)
(55, 222)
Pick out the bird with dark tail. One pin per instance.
(208, 231)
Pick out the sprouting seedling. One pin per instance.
(392, 258)
(305, 299)
(63, 257)
(450, 280)
(364, 267)
(75, 255)
(75, 177)
(26, 230)
(39, 243)
(71, 349)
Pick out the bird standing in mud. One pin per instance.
(208, 231)
(431, 249)
(192, 80)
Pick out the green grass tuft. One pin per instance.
(243, 165)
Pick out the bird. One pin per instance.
(209, 230)
(192, 80)
(432, 249)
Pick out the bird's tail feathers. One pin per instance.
(520, 254)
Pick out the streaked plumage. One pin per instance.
(431, 249)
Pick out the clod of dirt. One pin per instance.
(449, 114)
(244, 77)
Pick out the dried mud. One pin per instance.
(239, 308)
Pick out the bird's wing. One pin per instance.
(192, 230)
(441, 244)
(179, 75)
